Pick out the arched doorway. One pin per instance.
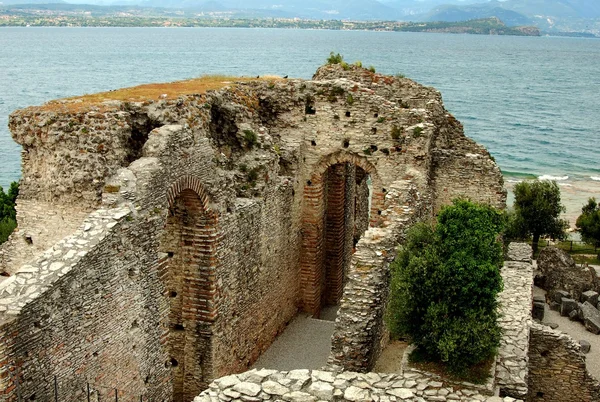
(341, 199)
(188, 274)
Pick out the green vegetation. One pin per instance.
(536, 213)
(250, 137)
(8, 214)
(588, 223)
(396, 132)
(335, 58)
(253, 176)
(372, 69)
(350, 99)
(444, 286)
(417, 131)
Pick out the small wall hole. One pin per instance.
(313, 143)
(347, 114)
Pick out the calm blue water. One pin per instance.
(532, 101)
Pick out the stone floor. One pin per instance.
(305, 344)
(577, 331)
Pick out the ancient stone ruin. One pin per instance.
(168, 233)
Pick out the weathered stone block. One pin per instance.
(554, 306)
(540, 299)
(566, 306)
(574, 315)
(585, 346)
(591, 317)
(560, 294)
(590, 296)
(538, 310)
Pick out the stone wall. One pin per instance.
(316, 385)
(87, 312)
(41, 224)
(208, 228)
(460, 166)
(557, 369)
(359, 328)
(515, 301)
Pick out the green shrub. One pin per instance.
(8, 213)
(250, 137)
(400, 75)
(335, 58)
(253, 176)
(358, 63)
(444, 286)
(396, 132)
(350, 99)
(372, 69)
(7, 225)
(381, 120)
(417, 131)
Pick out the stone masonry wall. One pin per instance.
(40, 225)
(515, 319)
(317, 385)
(461, 169)
(557, 369)
(87, 312)
(359, 328)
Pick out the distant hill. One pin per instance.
(314, 9)
(451, 13)
(548, 15)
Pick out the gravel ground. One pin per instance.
(577, 331)
(305, 344)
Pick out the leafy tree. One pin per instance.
(537, 211)
(588, 222)
(444, 286)
(8, 214)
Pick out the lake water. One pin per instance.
(533, 102)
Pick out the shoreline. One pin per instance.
(574, 194)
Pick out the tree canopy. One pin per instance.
(8, 214)
(588, 223)
(444, 286)
(537, 210)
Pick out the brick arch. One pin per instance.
(190, 242)
(378, 197)
(188, 182)
(329, 224)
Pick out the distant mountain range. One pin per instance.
(548, 15)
